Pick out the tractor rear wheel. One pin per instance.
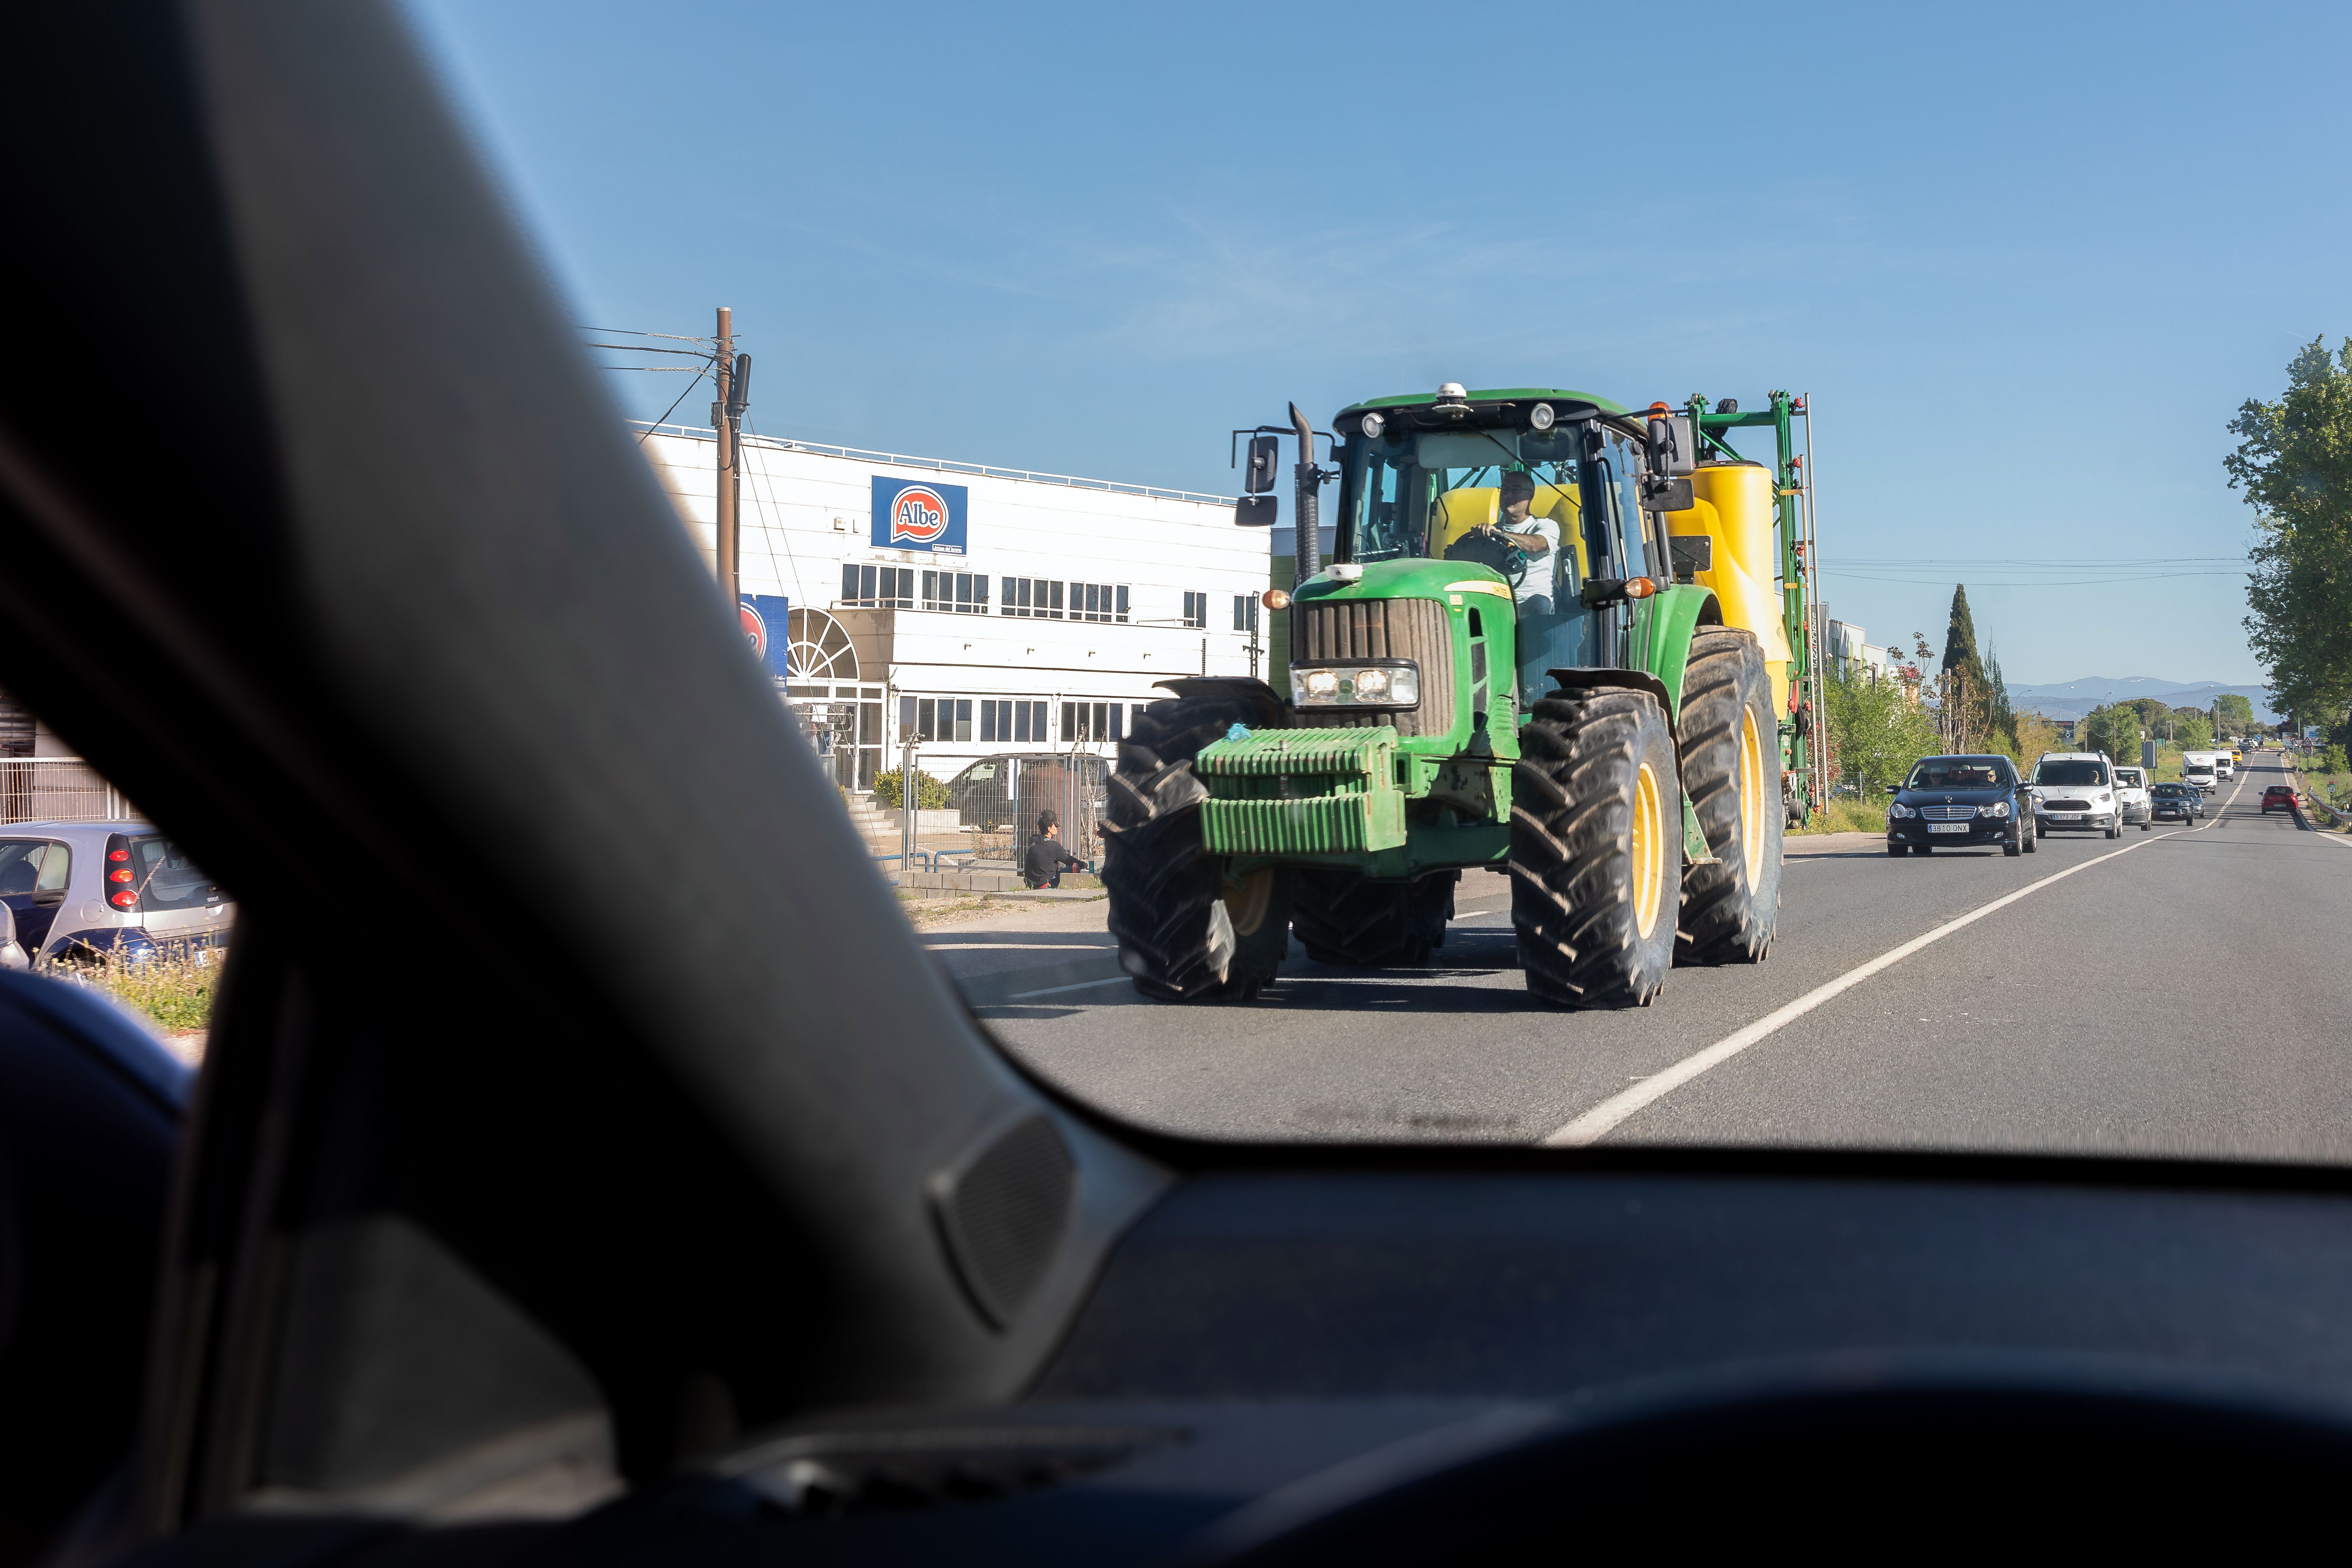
(1731, 767)
(1596, 842)
(1342, 918)
(1184, 934)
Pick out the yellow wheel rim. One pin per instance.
(1247, 900)
(1751, 796)
(1648, 847)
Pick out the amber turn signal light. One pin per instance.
(1274, 599)
(1639, 587)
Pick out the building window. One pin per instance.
(1135, 715)
(1032, 596)
(1245, 612)
(1196, 611)
(937, 718)
(1097, 601)
(1019, 722)
(885, 587)
(1090, 721)
(963, 593)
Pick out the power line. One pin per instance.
(680, 398)
(639, 349)
(634, 332)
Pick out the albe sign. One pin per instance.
(918, 515)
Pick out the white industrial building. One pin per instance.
(987, 610)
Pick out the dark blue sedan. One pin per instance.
(1959, 801)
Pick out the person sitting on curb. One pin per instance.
(1042, 866)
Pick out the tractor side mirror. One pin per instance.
(1667, 495)
(1265, 453)
(1255, 512)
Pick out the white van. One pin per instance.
(2132, 797)
(2203, 769)
(2076, 789)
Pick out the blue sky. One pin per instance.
(2026, 261)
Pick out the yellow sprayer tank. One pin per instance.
(1735, 509)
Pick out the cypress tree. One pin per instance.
(1961, 638)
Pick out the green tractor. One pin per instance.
(1557, 638)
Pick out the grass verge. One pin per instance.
(174, 989)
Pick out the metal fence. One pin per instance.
(58, 789)
(1003, 796)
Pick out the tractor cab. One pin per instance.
(1534, 487)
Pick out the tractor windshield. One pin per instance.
(1512, 501)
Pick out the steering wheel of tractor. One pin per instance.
(1490, 548)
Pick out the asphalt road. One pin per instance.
(2171, 991)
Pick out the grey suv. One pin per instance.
(81, 888)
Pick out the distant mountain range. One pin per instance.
(2074, 699)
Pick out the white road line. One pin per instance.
(1058, 990)
(1603, 1118)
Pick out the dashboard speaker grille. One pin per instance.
(1003, 1213)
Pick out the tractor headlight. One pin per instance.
(1372, 424)
(1391, 683)
(1540, 418)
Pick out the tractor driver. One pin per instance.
(1534, 537)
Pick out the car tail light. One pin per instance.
(118, 872)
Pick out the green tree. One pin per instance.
(2035, 735)
(2186, 728)
(1961, 637)
(2295, 462)
(2114, 730)
(2235, 713)
(1876, 729)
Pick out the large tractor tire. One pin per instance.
(1731, 768)
(1341, 917)
(1596, 847)
(1184, 934)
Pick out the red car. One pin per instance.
(2279, 798)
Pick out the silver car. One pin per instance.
(78, 889)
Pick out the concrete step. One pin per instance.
(960, 881)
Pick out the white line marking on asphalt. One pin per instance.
(1603, 1118)
(1058, 990)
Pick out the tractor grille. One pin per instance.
(1417, 629)
(1947, 813)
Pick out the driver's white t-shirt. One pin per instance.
(1541, 569)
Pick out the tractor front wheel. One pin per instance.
(1596, 846)
(1341, 917)
(1185, 933)
(1731, 767)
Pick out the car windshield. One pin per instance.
(1617, 693)
(1447, 494)
(1960, 772)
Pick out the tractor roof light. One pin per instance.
(1540, 417)
(1371, 425)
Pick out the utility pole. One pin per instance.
(730, 576)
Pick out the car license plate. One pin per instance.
(2067, 815)
(1947, 827)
